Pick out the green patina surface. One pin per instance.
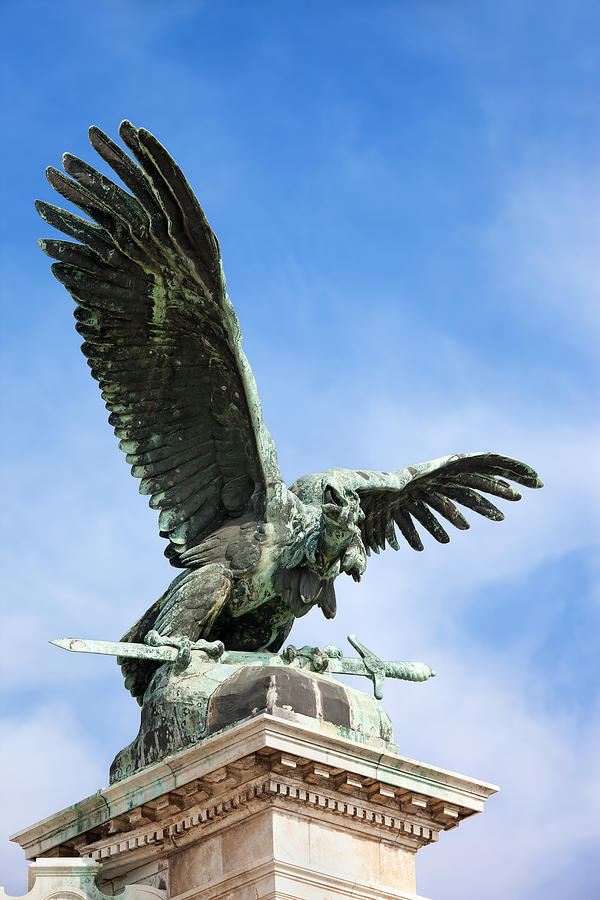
(182, 709)
(163, 341)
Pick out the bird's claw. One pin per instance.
(213, 649)
(154, 639)
(182, 644)
(312, 657)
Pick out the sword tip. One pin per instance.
(67, 643)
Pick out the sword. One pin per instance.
(368, 665)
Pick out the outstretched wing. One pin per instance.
(414, 494)
(161, 337)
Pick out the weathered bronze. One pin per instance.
(330, 659)
(164, 343)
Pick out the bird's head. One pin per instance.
(340, 544)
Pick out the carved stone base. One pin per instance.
(269, 809)
(182, 709)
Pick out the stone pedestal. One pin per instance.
(268, 808)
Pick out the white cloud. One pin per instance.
(543, 762)
(47, 763)
(494, 711)
(545, 240)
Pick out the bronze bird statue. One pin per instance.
(163, 341)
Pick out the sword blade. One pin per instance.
(345, 665)
(161, 654)
(117, 648)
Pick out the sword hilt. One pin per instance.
(375, 667)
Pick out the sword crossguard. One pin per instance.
(375, 667)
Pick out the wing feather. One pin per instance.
(161, 337)
(473, 500)
(417, 492)
(444, 507)
(406, 526)
(423, 514)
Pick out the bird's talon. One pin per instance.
(153, 639)
(182, 644)
(213, 649)
(289, 654)
(319, 660)
(184, 656)
(312, 658)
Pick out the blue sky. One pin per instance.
(407, 200)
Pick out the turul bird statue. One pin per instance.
(163, 341)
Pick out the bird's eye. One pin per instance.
(333, 496)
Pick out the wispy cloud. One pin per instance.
(37, 781)
(533, 831)
(545, 240)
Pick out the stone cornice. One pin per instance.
(408, 829)
(280, 757)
